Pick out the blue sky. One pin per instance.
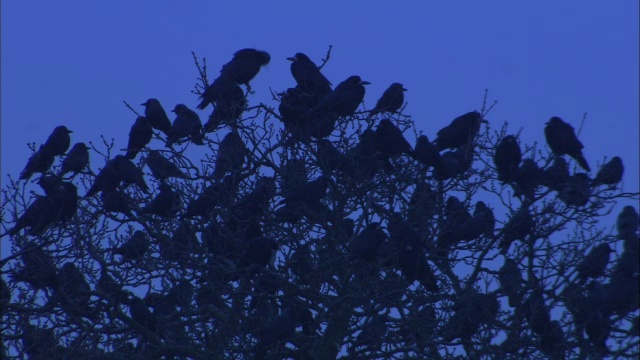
(74, 62)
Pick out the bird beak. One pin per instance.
(484, 121)
(144, 104)
(293, 58)
(365, 83)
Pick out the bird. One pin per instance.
(527, 178)
(76, 160)
(245, 65)
(461, 131)
(556, 175)
(229, 101)
(454, 163)
(223, 89)
(454, 227)
(575, 191)
(422, 205)
(414, 266)
(329, 157)
(129, 173)
(562, 140)
(59, 141)
(308, 77)
(471, 310)
(165, 204)
(627, 223)
(294, 103)
(69, 202)
(365, 246)
(156, 116)
(390, 101)
(117, 201)
(511, 282)
(427, 154)
(135, 247)
(390, 141)
(507, 158)
(161, 168)
(141, 314)
(39, 162)
(219, 193)
(232, 153)
(186, 124)
(517, 228)
(108, 179)
(293, 176)
(341, 102)
(610, 173)
(139, 136)
(594, 264)
(41, 213)
(484, 219)
(276, 331)
(310, 192)
(73, 292)
(39, 269)
(258, 251)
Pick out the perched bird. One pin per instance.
(556, 175)
(38, 270)
(507, 158)
(156, 116)
(5, 293)
(229, 101)
(483, 222)
(129, 173)
(40, 162)
(294, 103)
(329, 157)
(76, 160)
(511, 282)
(422, 206)
(364, 160)
(108, 179)
(40, 214)
(310, 192)
(461, 131)
(470, 311)
(562, 140)
(575, 191)
(117, 201)
(161, 167)
(627, 223)
(427, 153)
(610, 173)
(59, 141)
(414, 266)
(454, 227)
(552, 341)
(256, 202)
(276, 331)
(69, 197)
(135, 247)
(139, 136)
(527, 178)
(594, 264)
(258, 251)
(365, 246)
(181, 294)
(245, 65)
(165, 204)
(293, 176)
(219, 193)
(141, 314)
(390, 101)
(308, 77)
(517, 228)
(232, 153)
(342, 101)
(222, 90)
(73, 292)
(186, 124)
(51, 184)
(455, 163)
(390, 141)
(40, 343)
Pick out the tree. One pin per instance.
(271, 240)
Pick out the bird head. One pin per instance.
(298, 57)
(555, 121)
(62, 129)
(398, 86)
(149, 102)
(179, 108)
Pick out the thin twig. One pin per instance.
(132, 109)
(326, 58)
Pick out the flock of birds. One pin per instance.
(310, 111)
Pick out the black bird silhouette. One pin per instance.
(342, 101)
(483, 222)
(453, 229)
(390, 101)
(40, 343)
(507, 158)
(108, 179)
(556, 175)
(594, 264)
(310, 192)
(365, 246)
(245, 65)
(165, 204)
(38, 270)
(69, 196)
(610, 173)
(517, 228)
(575, 191)
(308, 76)
(229, 101)
(510, 278)
(59, 141)
(414, 266)
(627, 223)
(117, 201)
(129, 173)
(135, 247)
(41, 213)
(73, 292)
(276, 330)
(157, 117)
(427, 153)
(562, 140)
(186, 124)
(76, 160)
(422, 206)
(471, 311)
(221, 90)
(329, 157)
(294, 103)
(40, 161)
(232, 153)
(258, 251)
(461, 131)
(390, 141)
(141, 314)
(220, 193)
(162, 168)
(527, 178)
(139, 136)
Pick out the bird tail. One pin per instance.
(582, 161)
(203, 104)
(130, 154)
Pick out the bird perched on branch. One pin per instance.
(507, 158)
(139, 136)
(562, 140)
(308, 76)
(390, 101)
(461, 131)
(76, 160)
(245, 65)
(157, 117)
(610, 173)
(390, 141)
(186, 124)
